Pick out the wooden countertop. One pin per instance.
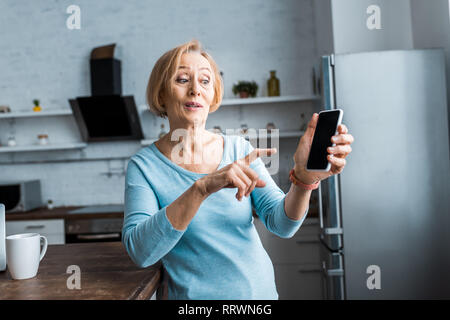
(59, 213)
(107, 272)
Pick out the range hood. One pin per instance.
(106, 115)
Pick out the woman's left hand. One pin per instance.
(336, 155)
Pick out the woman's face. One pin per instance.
(193, 90)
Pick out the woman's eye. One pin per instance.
(184, 80)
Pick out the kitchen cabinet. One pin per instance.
(296, 261)
(63, 224)
(52, 229)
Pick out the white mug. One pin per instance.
(23, 254)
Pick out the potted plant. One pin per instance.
(245, 89)
(37, 107)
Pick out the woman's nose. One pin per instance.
(194, 90)
(195, 93)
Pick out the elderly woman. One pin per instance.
(189, 195)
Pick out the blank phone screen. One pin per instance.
(325, 129)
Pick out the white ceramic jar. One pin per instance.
(43, 139)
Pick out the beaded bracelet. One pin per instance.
(297, 182)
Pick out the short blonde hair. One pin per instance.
(164, 72)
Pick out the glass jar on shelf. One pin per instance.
(12, 141)
(217, 129)
(43, 139)
(244, 129)
(50, 204)
(270, 126)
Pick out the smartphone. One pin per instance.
(327, 125)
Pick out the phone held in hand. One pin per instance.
(326, 127)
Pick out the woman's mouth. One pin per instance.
(193, 106)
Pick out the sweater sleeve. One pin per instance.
(269, 202)
(147, 234)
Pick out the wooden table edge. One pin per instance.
(148, 287)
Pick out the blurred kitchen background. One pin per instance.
(41, 58)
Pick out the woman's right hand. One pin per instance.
(235, 175)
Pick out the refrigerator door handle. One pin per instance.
(332, 272)
(325, 244)
(328, 231)
(320, 207)
(335, 272)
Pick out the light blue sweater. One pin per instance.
(219, 255)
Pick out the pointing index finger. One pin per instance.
(256, 153)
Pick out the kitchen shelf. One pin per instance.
(32, 114)
(50, 147)
(282, 134)
(37, 114)
(262, 100)
(291, 134)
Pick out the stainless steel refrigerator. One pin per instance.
(385, 225)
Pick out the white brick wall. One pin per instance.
(41, 58)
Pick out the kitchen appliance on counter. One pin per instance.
(20, 196)
(385, 220)
(94, 229)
